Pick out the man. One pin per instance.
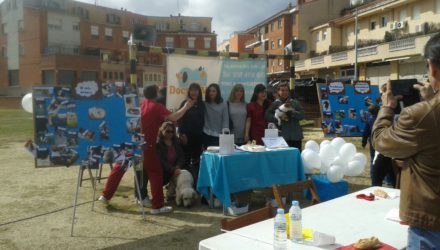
(291, 131)
(415, 138)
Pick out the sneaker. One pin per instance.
(145, 202)
(162, 210)
(103, 200)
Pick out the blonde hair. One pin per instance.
(234, 89)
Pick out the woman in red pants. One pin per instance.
(153, 114)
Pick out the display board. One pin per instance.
(344, 107)
(182, 70)
(81, 122)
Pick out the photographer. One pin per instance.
(415, 138)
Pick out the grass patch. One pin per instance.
(16, 125)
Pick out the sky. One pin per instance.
(228, 15)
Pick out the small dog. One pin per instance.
(281, 111)
(185, 192)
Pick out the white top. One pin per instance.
(347, 218)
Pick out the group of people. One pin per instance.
(170, 148)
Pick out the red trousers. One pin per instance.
(113, 181)
(154, 170)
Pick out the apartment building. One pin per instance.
(391, 38)
(54, 42)
(272, 34)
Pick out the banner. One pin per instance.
(184, 70)
(344, 107)
(69, 121)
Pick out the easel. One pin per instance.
(78, 184)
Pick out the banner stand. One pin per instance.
(78, 183)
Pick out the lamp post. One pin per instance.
(356, 3)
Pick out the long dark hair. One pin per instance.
(257, 90)
(197, 87)
(218, 98)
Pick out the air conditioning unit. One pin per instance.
(400, 25)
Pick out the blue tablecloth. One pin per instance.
(226, 174)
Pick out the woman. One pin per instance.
(255, 122)
(170, 154)
(215, 116)
(237, 113)
(191, 125)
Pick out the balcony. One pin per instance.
(368, 51)
(300, 64)
(408, 43)
(318, 60)
(340, 56)
(255, 42)
(61, 50)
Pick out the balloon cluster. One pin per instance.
(335, 158)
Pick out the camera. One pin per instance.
(406, 89)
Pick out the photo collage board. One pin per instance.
(344, 107)
(79, 123)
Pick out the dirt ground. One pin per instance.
(36, 209)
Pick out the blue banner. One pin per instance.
(344, 107)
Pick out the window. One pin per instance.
(54, 23)
(169, 42)
(20, 25)
(416, 12)
(294, 19)
(155, 77)
(94, 31)
(150, 77)
(121, 76)
(272, 45)
(437, 7)
(191, 42)
(104, 74)
(125, 36)
(372, 25)
(108, 34)
(207, 42)
(318, 36)
(280, 23)
(13, 77)
(384, 21)
(49, 77)
(21, 50)
(89, 76)
(159, 77)
(280, 43)
(324, 35)
(272, 26)
(76, 27)
(402, 16)
(66, 77)
(110, 75)
(116, 75)
(161, 26)
(4, 27)
(4, 53)
(113, 19)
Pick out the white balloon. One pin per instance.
(360, 157)
(340, 162)
(328, 153)
(335, 173)
(337, 143)
(325, 165)
(313, 145)
(347, 151)
(323, 143)
(26, 103)
(355, 168)
(311, 160)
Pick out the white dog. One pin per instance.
(281, 111)
(185, 192)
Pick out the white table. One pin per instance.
(347, 218)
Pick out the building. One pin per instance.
(272, 34)
(238, 40)
(53, 42)
(391, 38)
(224, 46)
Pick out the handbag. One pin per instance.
(271, 131)
(226, 142)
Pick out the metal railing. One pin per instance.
(318, 60)
(367, 51)
(61, 50)
(408, 43)
(340, 56)
(300, 64)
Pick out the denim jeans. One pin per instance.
(421, 239)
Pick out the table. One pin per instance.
(347, 218)
(226, 174)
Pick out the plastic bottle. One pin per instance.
(295, 229)
(280, 236)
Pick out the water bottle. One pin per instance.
(295, 222)
(280, 236)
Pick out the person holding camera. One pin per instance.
(415, 139)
